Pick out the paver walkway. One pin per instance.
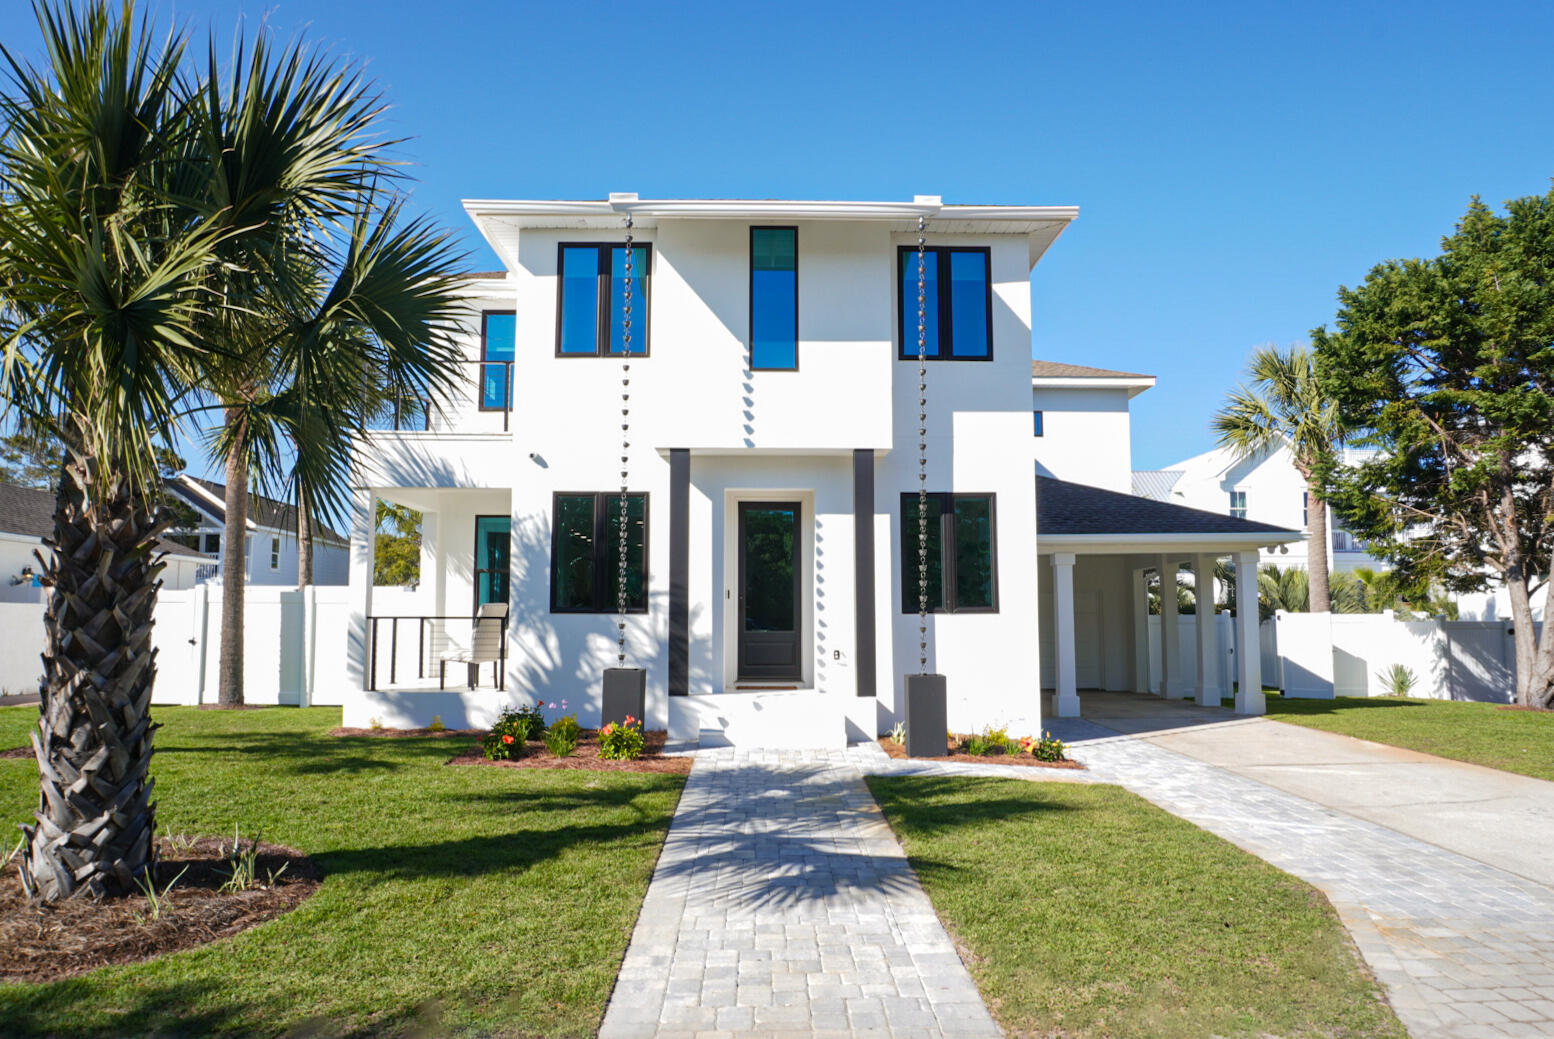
(782, 905)
(1465, 949)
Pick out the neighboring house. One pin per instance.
(271, 544)
(773, 471)
(27, 517)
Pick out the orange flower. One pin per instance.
(506, 738)
(630, 719)
(607, 729)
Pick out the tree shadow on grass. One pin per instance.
(946, 804)
(308, 754)
(1284, 705)
(161, 1010)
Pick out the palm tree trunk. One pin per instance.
(234, 567)
(304, 544)
(1316, 549)
(95, 821)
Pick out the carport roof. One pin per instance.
(1071, 510)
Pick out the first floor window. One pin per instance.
(492, 537)
(962, 564)
(585, 555)
(1238, 504)
(275, 553)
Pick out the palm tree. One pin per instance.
(104, 287)
(1288, 589)
(1284, 407)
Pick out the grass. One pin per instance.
(1515, 741)
(1085, 911)
(456, 901)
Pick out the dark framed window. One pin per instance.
(498, 337)
(212, 544)
(1238, 504)
(493, 536)
(962, 557)
(591, 299)
(1038, 422)
(774, 299)
(585, 552)
(957, 302)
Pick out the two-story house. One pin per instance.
(270, 551)
(771, 431)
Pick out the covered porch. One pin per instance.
(1097, 550)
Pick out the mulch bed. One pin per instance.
(1524, 707)
(401, 733)
(897, 751)
(586, 757)
(45, 943)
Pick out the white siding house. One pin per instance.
(271, 550)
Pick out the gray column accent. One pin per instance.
(863, 568)
(679, 571)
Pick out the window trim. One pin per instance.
(600, 527)
(604, 279)
(480, 379)
(1237, 511)
(947, 574)
(1041, 421)
(476, 569)
(750, 347)
(946, 318)
(275, 552)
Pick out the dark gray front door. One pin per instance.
(769, 611)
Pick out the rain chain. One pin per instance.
(620, 572)
(922, 460)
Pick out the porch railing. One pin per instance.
(489, 389)
(432, 646)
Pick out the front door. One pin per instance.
(769, 609)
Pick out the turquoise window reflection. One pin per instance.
(774, 299)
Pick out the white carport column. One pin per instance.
(1138, 596)
(1171, 670)
(1249, 655)
(1207, 685)
(1063, 633)
(363, 551)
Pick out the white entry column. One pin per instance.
(1207, 684)
(1249, 655)
(1063, 633)
(363, 546)
(1138, 603)
(1172, 673)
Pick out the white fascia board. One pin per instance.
(1058, 382)
(1145, 544)
(758, 209)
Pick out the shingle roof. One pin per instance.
(1058, 370)
(486, 274)
(266, 512)
(30, 512)
(1155, 483)
(1072, 508)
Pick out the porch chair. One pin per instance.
(487, 645)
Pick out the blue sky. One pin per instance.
(1234, 163)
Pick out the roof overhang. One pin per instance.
(498, 219)
(1161, 544)
(1135, 385)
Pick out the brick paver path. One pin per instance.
(1464, 949)
(782, 905)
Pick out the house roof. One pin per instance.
(29, 512)
(1059, 370)
(210, 497)
(1064, 508)
(1155, 483)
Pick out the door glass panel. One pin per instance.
(770, 535)
(491, 547)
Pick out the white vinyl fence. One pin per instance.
(1187, 633)
(294, 646)
(1321, 655)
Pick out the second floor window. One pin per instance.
(1038, 423)
(498, 336)
(957, 303)
(1238, 504)
(585, 556)
(591, 310)
(774, 298)
(275, 553)
(962, 567)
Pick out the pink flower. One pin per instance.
(563, 705)
(553, 705)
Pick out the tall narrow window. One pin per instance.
(591, 309)
(275, 553)
(1238, 504)
(774, 298)
(498, 336)
(492, 537)
(1305, 509)
(957, 310)
(962, 563)
(1038, 423)
(585, 555)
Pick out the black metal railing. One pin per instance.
(490, 390)
(436, 642)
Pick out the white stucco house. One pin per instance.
(772, 460)
(271, 551)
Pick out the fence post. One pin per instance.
(200, 622)
(309, 642)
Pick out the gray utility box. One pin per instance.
(927, 716)
(625, 692)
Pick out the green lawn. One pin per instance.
(1085, 911)
(463, 901)
(1516, 741)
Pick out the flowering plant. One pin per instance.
(505, 740)
(1048, 748)
(562, 736)
(623, 742)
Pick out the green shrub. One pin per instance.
(622, 742)
(979, 746)
(997, 738)
(437, 725)
(1049, 748)
(562, 736)
(505, 740)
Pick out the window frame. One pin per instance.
(1237, 511)
(275, 552)
(946, 314)
(1041, 422)
(750, 347)
(476, 569)
(604, 287)
(480, 379)
(947, 565)
(601, 525)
